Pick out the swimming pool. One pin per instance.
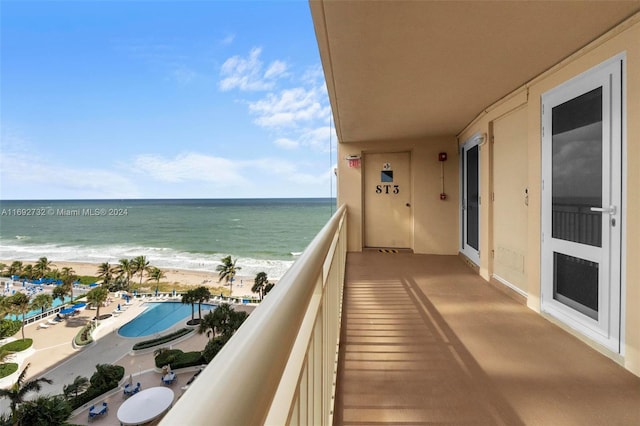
(33, 313)
(158, 317)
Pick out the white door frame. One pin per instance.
(606, 327)
(472, 253)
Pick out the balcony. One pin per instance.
(423, 339)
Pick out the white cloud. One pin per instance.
(288, 107)
(286, 143)
(189, 167)
(196, 167)
(184, 75)
(36, 178)
(319, 138)
(287, 169)
(228, 39)
(276, 69)
(247, 73)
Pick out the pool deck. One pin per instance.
(54, 357)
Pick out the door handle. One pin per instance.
(611, 209)
(408, 204)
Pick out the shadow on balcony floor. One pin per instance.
(425, 340)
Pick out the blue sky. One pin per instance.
(160, 99)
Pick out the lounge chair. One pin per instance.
(43, 325)
(52, 321)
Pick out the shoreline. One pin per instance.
(242, 284)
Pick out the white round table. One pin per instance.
(145, 406)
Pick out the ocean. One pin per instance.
(265, 235)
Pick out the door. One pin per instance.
(388, 219)
(470, 201)
(581, 201)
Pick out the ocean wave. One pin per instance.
(160, 257)
(22, 237)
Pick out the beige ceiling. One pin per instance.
(412, 69)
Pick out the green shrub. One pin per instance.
(7, 369)
(44, 410)
(83, 337)
(213, 347)
(106, 374)
(9, 327)
(17, 345)
(90, 394)
(103, 380)
(87, 279)
(178, 359)
(163, 339)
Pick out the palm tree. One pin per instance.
(223, 321)
(259, 283)
(42, 301)
(140, 265)
(201, 294)
(155, 274)
(4, 307)
(79, 385)
(227, 271)
(207, 325)
(59, 292)
(18, 304)
(68, 277)
(15, 268)
(5, 355)
(96, 296)
(44, 410)
(106, 271)
(28, 272)
(189, 298)
(16, 392)
(42, 266)
(125, 269)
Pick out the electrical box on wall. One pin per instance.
(442, 156)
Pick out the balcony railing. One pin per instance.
(280, 366)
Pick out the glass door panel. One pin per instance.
(575, 283)
(473, 206)
(470, 202)
(577, 169)
(577, 164)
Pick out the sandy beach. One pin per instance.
(241, 286)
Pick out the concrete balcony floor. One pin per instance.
(425, 340)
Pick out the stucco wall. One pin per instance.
(625, 38)
(510, 199)
(435, 222)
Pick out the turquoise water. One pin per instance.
(158, 317)
(56, 303)
(263, 234)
